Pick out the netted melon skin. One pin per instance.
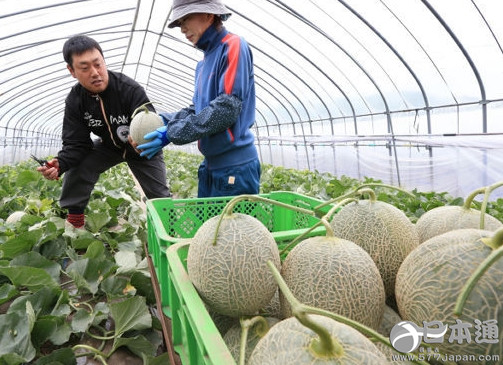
(382, 230)
(448, 218)
(389, 319)
(431, 278)
(232, 277)
(232, 338)
(287, 343)
(336, 275)
(142, 124)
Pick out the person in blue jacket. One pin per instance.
(223, 104)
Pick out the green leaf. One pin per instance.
(61, 307)
(11, 359)
(158, 360)
(7, 292)
(144, 287)
(27, 177)
(130, 314)
(114, 286)
(138, 345)
(30, 277)
(36, 260)
(42, 301)
(95, 250)
(62, 334)
(44, 329)
(127, 261)
(97, 220)
(15, 335)
(81, 320)
(98, 215)
(89, 272)
(20, 244)
(101, 312)
(64, 356)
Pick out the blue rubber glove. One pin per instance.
(159, 139)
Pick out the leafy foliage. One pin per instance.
(61, 287)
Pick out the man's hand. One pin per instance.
(50, 172)
(133, 143)
(159, 139)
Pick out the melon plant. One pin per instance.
(382, 230)
(288, 343)
(227, 262)
(447, 218)
(432, 277)
(314, 335)
(144, 121)
(334, 274)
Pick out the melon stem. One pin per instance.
(469, 199)
(355, 190)
(294, 242)
(254, 198)
(323, 220)
(483, 208)
(325, 344)
(143, 108)
(497, 245)
(371, 193)
(227, 211)
(246, 324)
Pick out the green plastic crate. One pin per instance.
(171, 223)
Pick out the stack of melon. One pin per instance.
(371, 252)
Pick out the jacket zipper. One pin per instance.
(109, 126)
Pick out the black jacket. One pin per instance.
(107, 115)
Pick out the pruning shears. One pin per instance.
(42, 162)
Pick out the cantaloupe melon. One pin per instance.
(258, 330)
(144, 122)
(336, 275)
(232, 276)
(288, 342)
(273, 309)
(382, 230)
(222, 322)
(431, 278)
(15, 217)
(389, 319)
(448, 218)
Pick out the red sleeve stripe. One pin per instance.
(232, 41)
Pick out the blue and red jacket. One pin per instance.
(223, 109)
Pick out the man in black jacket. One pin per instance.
(101, 103)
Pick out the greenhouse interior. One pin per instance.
(407, 93)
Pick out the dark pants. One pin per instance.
(229, 181)
(78, 182)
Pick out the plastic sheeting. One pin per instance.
(386, 83)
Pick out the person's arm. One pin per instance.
(235, 72)
(234, 82)
(220, 114)
(76, 139)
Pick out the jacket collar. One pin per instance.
(211, 38)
